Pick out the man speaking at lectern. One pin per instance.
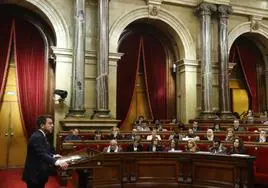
(39, 157)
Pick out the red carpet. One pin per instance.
(11, 178)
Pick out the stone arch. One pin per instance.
(262, 31)
(57, 22)
(245, 28)
(188, 50)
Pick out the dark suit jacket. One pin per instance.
(158, 148)
(130, 148)
(38, 159)
(258, 139)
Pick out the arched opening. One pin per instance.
(145, 75)
(26, 79)
(247, 78)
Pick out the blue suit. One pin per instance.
(38, 161)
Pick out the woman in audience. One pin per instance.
(230, 135)
(262, 137)
(115, 134)
(173, 146)
(217, 127)
(135, 146)
(237, 147)
(210, 135)
(154, 146)
(191, 146)
(250, 117)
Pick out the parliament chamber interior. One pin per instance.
(142, 93)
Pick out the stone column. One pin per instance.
(102, 110)
(78, 69)
(224, 99)
(205, 10)
(186, 91)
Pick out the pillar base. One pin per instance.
(101, 114)
(76, 113)
(207, 115)
(227, 115)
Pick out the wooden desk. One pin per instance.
(166, 170)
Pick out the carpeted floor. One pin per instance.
(11, 178)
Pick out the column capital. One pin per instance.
(224, 11)
(206, 8)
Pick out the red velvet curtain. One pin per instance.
(154, 58)
(29, 58)
(6, 30)
(247, 54)
(126, 74)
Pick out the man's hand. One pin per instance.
(63, 165)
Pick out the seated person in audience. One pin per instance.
(249, 116)
(237, 147)
(230, 135)
(115, 134)
(158, 125)
(237, 127)
(132, 135)
(135, 146)
(175, 135)
(210, 135)
(97, 135)
(191, 136)
(262, 137)
(143, 127)
(195, 126)
(113, 147)
(191, 146)
(73, 135)
(174, 121)
(139, 120)
(181, 126)
(173, 146)
(153, 135)
(217, 127)
(217, 147)
(154, 146)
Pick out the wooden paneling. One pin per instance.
(165, 169)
